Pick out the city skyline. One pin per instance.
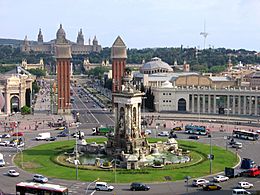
(141, 24)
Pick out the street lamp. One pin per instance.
(90, 184)
(76, 161)
(187, 178)
(210, 156)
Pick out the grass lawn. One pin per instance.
(39, 159)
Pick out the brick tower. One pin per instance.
(118, 56)
(63, 56)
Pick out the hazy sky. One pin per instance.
(141, 23)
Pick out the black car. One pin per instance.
(139, 187)
(173, 135)
(194, 137)
(62, 134)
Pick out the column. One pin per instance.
(209, 104)
(234, 105)
(256, 105)
(203, 103)
(7, 103)
(214, 104)
(228, 103)
(192, 103)
(244, 107)
(250, 105)
(198, 103)
(239, 104)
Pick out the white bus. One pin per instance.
(243, 134)
(24, 188)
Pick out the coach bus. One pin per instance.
(195, 129)
(24, 188)
(243, 134)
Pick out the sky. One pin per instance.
(231, 24)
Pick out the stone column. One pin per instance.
(192, 103)
(203, 103)
(228, 103)
(256, 105)
(7, 103)
(244, 107)
(215, 104)
(198, 103)
(239, 104)
(250, 105)
(234, 105)
(209, 103)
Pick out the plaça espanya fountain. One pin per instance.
(128, 145)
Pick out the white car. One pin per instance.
(245, 184)
(103, 186)
(199, 182)
(164, 133)
(220, 178)
(13, 173)
(148, 132)
(5, 143)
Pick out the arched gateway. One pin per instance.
(182, 105)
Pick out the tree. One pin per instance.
(25, 110)
(38, 72)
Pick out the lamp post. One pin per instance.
(90, 185)
(76, 153)
(211, 156)
(187, 178)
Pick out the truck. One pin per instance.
(43, 136)
(231, 172)
(2, 161)
(103, 130)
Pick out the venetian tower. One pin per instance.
(118, 56)
(63, 56)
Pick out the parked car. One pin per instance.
(51, 138)
(245, 185)
(199, 182)
(13, 173)
(164, 134)
(211, 186)
(5, 143)
(17, 134)
(6, 135)
(139, 187)
(40, 178)
(103, 186)
(194, 137)
(220, 178)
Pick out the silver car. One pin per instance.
(40, 178)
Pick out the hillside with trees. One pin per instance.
(207, 60)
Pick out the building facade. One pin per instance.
(77, 47)
(207, 100)
(16, 89)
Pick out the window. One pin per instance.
(163, 93)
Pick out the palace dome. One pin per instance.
(156, 65)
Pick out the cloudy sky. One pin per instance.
(141, 23)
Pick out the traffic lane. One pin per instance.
(104, 117)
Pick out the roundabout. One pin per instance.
(50, 160)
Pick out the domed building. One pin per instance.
(77, 47)
(156, 65)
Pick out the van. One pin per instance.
(240, 191)
(2, 161)
(103, 186)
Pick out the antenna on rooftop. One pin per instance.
(204, 34)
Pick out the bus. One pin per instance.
(243, 134)
(24, 188)
(195, 129)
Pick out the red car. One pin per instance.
(18, 134)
